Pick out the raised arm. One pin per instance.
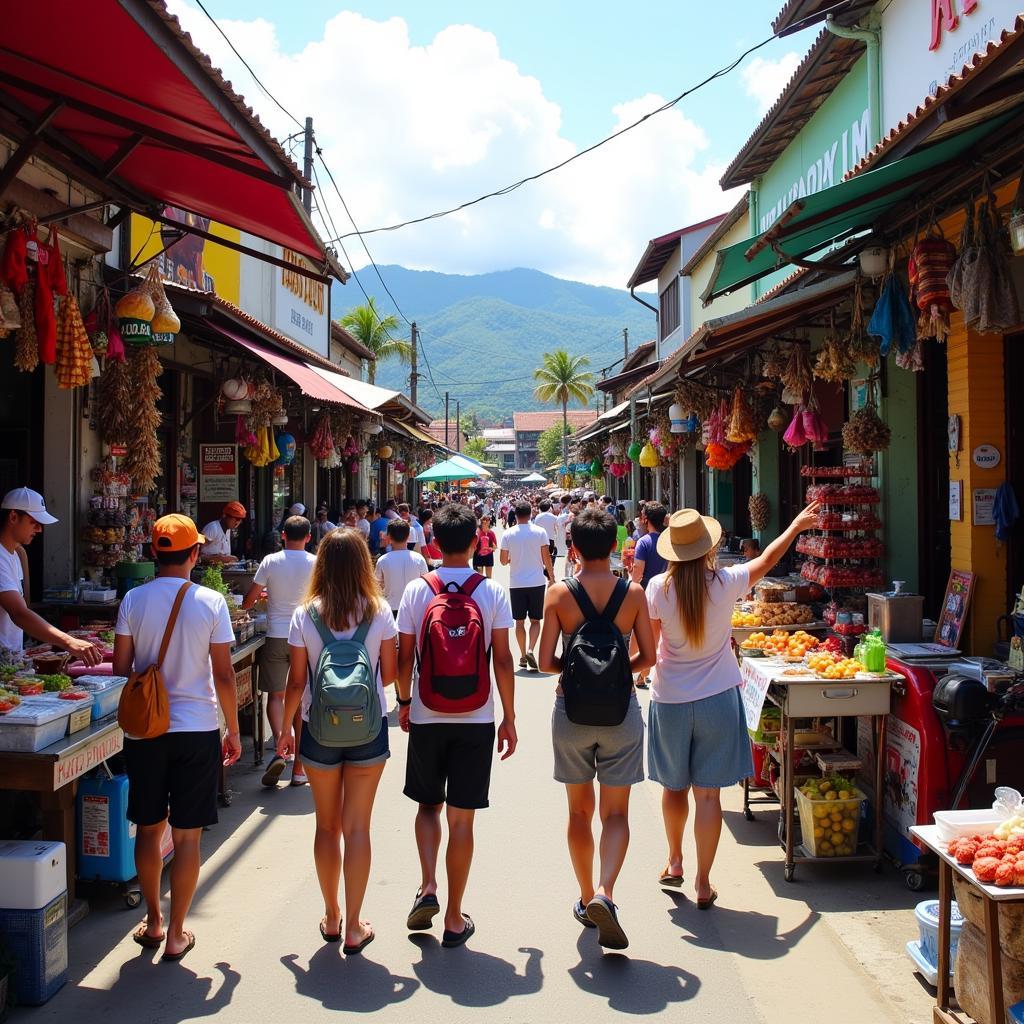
(759, 567)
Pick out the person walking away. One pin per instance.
(22, 517)
(321, 526)
(548, 522)
(416, 538)
(647, 562)
(378, 533)
(452, 636)
(344, 604)
(563, 520)
(216, 549)
(591, 739)
(525, 550)
(697, 728)
(362, 520)
(285, 576)
(486, 543)
(622, 529)
(400, 566)
(174, 777)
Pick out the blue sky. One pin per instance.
(427, 131)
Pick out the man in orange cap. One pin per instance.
(174, 777)
(217, 548)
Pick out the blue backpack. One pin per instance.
(345, 707)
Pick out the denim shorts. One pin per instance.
(700, 743)
(315, 755)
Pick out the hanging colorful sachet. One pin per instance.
(893, 320)
(74, 353)
(165, 324)
(928, 268)
(135, 312)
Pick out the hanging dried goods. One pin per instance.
(321, 443)
(74, 352)
(798, 378)
(773, 362)
(912, 360)
(835, 362)
(742, 424)
(760, 511)
(778, 418)
(114, 401)
(10, 318)
(696, 398)
(26, 351)
(142, 463)
(866, 433)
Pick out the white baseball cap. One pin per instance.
(23, 499)
(298, 509)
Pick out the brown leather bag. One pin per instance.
(144, 711)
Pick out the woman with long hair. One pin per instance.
(697, 729)
(344, 593)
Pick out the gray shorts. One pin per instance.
(614, 753)
(274, 660)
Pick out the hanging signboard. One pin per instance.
(218, 472)
(986, 456)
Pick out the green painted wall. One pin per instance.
(766, 480)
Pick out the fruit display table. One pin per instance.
(992, 896)
(799, 693)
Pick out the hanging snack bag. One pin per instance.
(135, 312)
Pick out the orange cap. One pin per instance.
(175, 533)
(235, 509)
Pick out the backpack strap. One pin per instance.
(611, 609)
(364, 628)
(314, 616)
(471, 584)
(586, 606)
(439, 587)
(435, 583)
(169, 628)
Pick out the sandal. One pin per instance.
(709, 902)
(172, 958)
(325, 934)
(147, 941)
(359, 946)
(452, 939)
(668, 879)
(424, 910)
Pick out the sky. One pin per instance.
(419, 105)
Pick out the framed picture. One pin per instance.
(955, 605)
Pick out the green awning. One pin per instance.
(813, 222)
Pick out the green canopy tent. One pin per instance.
(451, 470)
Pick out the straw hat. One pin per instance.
(689, 535)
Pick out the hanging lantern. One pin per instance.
(691, 424)
(633, 451)
(286, 446)
(874, 261)
(374, 428)
(677, 417)
(280, 420)
(648, 456)
(234, 389)
(385, 451)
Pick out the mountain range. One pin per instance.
(485, 334)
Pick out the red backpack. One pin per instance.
(454, 661)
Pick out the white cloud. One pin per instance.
(764, 79)
(412, 129)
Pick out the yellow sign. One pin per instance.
(191, 262)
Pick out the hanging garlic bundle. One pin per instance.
(142, 463)
(696, 398)
(760, 510)
(266, 402)
(773, 364)
(866, 433)
(26, 352)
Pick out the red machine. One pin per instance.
(950, 742)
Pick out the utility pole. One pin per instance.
(413, 376)
(458, 427)
(307, 167)
(446, 419)
(625, 345)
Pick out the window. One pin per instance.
(668, 318)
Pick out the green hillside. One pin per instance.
(485, 334)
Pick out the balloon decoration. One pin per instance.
(286, 446)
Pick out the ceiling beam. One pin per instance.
(28, 144)
(121, 154)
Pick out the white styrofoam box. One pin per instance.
(953, 824)
(33, 725)
(33, 873)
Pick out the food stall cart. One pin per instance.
(993, 897)
(799, 693)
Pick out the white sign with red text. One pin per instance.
(69, 767)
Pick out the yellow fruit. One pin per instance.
(819, 832)
(849, 825)
(836, 838)
(830, 795)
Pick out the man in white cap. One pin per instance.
(22, 515)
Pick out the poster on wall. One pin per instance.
(955, 605)
(218, 472)
(983, 501)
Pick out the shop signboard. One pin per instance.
(81, 758)
(218, 472)
(986, 456)
(925, 43)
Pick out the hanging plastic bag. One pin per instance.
(893, 320)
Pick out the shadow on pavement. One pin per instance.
(762, 831)
(471, 978)
(746, 933)
(629, 985)
(352, 983)
(861, 889)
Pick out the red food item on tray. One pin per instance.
(986, 869)
(30, 689)
(963, 849)
(73, 695)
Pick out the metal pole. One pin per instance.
(413, 376)
(307, 166)
(625, 346)
(458, 427)
(634, 469)
(446, 419)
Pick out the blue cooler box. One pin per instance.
(105, 836)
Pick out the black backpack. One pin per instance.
(596, 678)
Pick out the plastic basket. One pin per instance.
(829, 828)
(38, 941)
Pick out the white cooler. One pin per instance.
(32, 873)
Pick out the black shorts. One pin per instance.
(483, 561)
(176, 773)
(450, 762)
(527, 602)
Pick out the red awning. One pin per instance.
(309, 381)
(115, 93)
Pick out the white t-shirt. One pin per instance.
(218, 540)
(526, 566)
(203, 620)
(682, 673)
(564, 518)
(396, 570)
(496, 612)
(363, 526)
(417, 538)
(11, 578)
(286, 576)
(548, 522)
(302, 633)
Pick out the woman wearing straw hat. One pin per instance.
(697, 730)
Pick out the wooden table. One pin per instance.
(992, 896)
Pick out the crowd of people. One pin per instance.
(393, 598)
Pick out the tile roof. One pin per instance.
(543, 420)
(659, 250)
(798, 14)
(346, 340)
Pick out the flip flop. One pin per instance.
(299, 780)
(173, 958)
(709, 902)
(147, 941)
(328, 936)
(675, 881)
(273, 772)
(531, 662)
(601, 911)
(424, 910)
(359, 947)
(579, 911)
(452, 939)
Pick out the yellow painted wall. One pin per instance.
(724, 304)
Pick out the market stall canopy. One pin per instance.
(310, 383)
(115, 93)
(446, 471)
(375, 397)
(812, 222)
(534, 478)
(466, 462)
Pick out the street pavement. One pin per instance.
(827, 947)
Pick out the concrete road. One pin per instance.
(827, 947)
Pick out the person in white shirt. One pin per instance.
(321, 526)
(344, 780)
(417, 539)
(216, 548)
(285, 576)
(400, 566)
(22, 516)
(174, 777)
(525, 549)
(548, 522)
(362, 521)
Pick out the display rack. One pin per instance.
(118, 526)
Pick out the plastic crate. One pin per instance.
(829, 828)
(38, 942)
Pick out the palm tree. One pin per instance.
(561, 378)
(365, 324)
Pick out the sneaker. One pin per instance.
(522, 662)
(531, 662)
(642, 683)
(579, 911)
(273, 772)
